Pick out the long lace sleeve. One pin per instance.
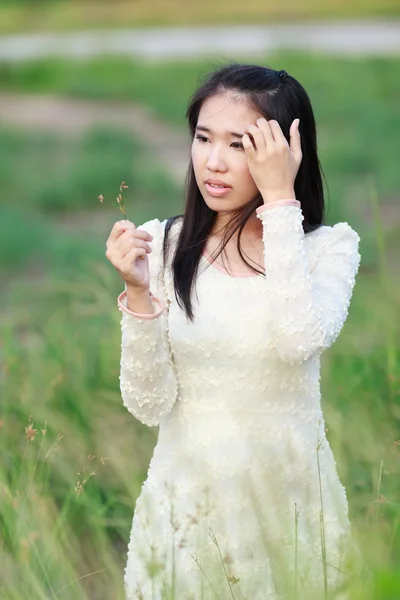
(308, 305)
(147, 377)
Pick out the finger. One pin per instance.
(132, 242)
(295, 139)
(277, 133)
(132, 235)
(140, 244)
(130, 258)
(264, 127)
(121, 246)
(258, 137)
(248, 145)
(141, 234)
(118, 229)
(121, 242)
(121, 227)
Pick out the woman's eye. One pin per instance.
(202, 138)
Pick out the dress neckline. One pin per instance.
(214, 264)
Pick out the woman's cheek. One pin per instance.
(245, 174)
(197, 157)
(195, 161)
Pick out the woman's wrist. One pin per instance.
(276, 196)
(282, 202)
(139, 300)
(141, 304)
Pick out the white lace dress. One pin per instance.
(242, 497)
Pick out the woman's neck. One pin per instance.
(252, 230)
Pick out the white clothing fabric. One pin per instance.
(242, 498)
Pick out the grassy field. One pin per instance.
(52, 15)
(67, 492)
(59, 340)
(50, 188)
(357, 116)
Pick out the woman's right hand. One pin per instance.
(127, 249)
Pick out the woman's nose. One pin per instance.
(216, 160)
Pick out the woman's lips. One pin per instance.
(217, 191)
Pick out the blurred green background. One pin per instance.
(67, 492)
(36, 15)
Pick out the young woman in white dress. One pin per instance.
(225, 313)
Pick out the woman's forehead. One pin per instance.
(226, 111)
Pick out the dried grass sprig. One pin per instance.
(120, 198)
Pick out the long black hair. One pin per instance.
(275, 95)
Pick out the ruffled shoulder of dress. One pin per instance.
(339, 238)
(158, 271)
(156, 228)
(327, 234)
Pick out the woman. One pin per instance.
(242, 497)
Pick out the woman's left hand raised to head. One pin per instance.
(273, 163)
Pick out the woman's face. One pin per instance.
(217, 153)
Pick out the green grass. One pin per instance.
(43, 172)
(54, 15)
(59, 335)
(51, 217)
(62, 351)
(355, 103)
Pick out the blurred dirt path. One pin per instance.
(334, 37)
(71, 117)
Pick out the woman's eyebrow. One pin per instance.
(228, 133)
